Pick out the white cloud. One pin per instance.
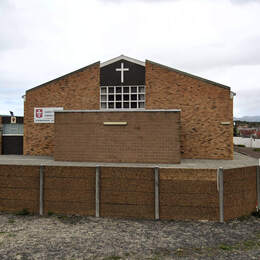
(41, 40)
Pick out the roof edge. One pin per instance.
(190, 75)
(117, 110)
(63, 76)
(122, 57)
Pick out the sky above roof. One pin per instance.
(218, 40)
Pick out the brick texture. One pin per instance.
(240, 196)
(203, 107)
(188, 194)
(19, 188)
(78, 90)
(148, 137)
(184, 194)
(69, 190)
(127, 192)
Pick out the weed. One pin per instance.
(2, 233)
(11, 221)
(226, 247)
(12, 235)
(23, 212)
(241, 145)
(50, 213)
(249, 244)
(257, 149)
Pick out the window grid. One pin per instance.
(122, 97)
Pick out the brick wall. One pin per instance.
(240, 196)
(127, 192)
(188, 194)
(203, 107)
(69, 190)
(19, 188)
(184, 194)
(78, 90)
(148, 137)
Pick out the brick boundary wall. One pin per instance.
(19, 188)
(240, 192)
(184, 194)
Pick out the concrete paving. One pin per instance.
(240, 160)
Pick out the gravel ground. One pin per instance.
(74, 237)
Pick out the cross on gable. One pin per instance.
(122, 70)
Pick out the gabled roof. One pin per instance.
(122, 57)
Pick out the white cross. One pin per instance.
(122, 69)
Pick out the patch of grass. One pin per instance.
(12, 235)
(249, 244)
(50, 213)
(226, 247)
(11, 221)
(2, 233)
(241, 145)
(243, 218)
(257, 149)
(23, 212)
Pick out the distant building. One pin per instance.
(11, 134)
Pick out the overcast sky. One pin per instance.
(43, 39)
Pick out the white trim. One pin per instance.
(12, 134)
(122, 57)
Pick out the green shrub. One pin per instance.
(257, 149)
(241, 145)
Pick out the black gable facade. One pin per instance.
(122, 73)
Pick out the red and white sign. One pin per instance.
(45, 114)
(39, 113)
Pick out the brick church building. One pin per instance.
(126, 110)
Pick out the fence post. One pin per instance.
(41, 189)
(258, 184)
(97, 190)
(156, 193)
(221, 194)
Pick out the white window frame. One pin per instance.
(105, 94)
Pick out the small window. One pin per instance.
(122, 97)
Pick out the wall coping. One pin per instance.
(119, 110)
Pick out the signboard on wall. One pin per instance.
(45, 114)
